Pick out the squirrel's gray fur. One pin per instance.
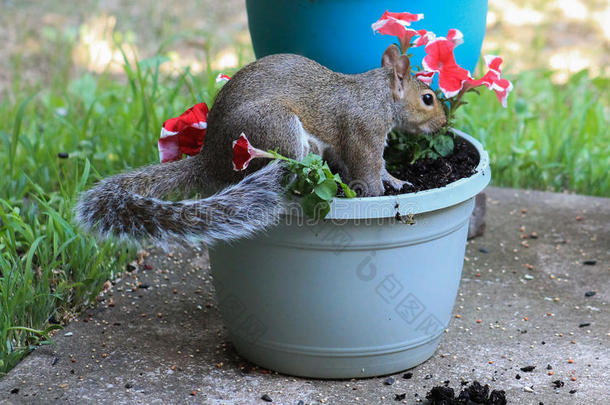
(284, 102)
(113, 206)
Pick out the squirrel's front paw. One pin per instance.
(393, 182)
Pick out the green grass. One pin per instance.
(48, 269)
(550, 137)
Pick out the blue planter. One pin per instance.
(338, 34)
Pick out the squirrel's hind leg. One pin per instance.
(275, 127)
(267, 125)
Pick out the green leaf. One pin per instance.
(17, 130)
(327, 171)
(51, 328)
(315, 207)
(311, 159)
(443, 144)
(326, 190)
(321, 176)
(429, 154)
(349, 193)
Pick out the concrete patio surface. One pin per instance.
(534, 292)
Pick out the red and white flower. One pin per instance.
(397, 24)
(493, 79)
(455, 36)
(425, 38)
(244, 152)
(440, 59)
(183, 134)
(425, 77)
(404, 17)
(222, 78)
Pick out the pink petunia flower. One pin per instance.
(404, 17)
(455, 36)
(244, 152)
(183, 134)
(424, 38)
(397, 24)
(425, 77)
(222, 78)
(440, 58)
(493, 79)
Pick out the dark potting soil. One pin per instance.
(473, 394)
(425, 174)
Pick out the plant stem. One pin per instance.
(281, 157)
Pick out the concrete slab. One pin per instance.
(158, 337)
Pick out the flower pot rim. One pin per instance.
(421, 201)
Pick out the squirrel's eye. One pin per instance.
(428, 99)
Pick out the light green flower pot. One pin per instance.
(359, 294)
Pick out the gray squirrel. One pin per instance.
(285, 102)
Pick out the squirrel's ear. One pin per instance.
(400, 65)
(390, 56)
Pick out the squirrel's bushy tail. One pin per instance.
(127, 205)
